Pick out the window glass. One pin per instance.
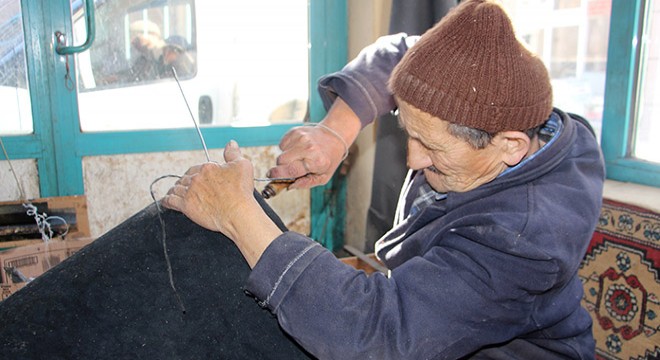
(14, 95)
(240, 63)
(571, 38)
(566, 4)
(647, 131)
(137, 44)
(563, 63)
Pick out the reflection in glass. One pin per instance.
(136, 43)
(241, 63)
(14, 94)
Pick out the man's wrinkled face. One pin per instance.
(450, 164)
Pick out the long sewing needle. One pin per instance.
(201, 137)
(199, 132)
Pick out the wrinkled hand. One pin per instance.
(216, 196)
(220, 198)
(312, 154)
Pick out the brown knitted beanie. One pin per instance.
(470, 69)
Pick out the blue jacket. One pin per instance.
(488, 273)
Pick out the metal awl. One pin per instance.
(199, 132)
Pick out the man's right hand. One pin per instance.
(312, 154)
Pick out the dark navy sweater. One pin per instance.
(488, 273)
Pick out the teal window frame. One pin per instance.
(623, 57)
(57, 142)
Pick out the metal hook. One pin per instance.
(91, 33)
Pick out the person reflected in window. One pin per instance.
(146, 49)
(176, 53)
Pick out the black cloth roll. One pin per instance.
(113, 300)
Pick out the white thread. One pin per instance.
(333, 132)
(43, 222)
(286, 269)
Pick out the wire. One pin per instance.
(11, 168)
(199, 132)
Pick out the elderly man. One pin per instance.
(493, 220)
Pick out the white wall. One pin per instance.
(367, 20)
(117, 186)
(28, 180)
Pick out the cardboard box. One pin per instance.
(17, 228)
(22, 264)
(23, 254)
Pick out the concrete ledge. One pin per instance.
(634, 194)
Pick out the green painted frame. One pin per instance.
(59, 145)
(327, 202)
(623, 54)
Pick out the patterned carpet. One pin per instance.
(621, 283)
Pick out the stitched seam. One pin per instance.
(286, 269)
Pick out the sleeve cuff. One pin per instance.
(285, 259)
(353, 91)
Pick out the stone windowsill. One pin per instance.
(634, 194)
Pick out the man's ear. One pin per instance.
(514, 146)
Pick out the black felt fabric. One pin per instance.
(113, 300)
